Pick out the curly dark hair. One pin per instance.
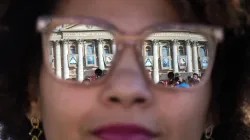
(21, 58)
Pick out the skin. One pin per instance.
(195, 77)
(70, 111)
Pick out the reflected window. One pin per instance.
(106, 49)
(73, 60)
(182, 50)
(149, 51)
(72, 50)
(165, 51)
(90, 49)
(90, 60)
(203, 52)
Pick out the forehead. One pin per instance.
(122, 13)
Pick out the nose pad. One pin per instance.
(127, 85)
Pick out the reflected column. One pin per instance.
(195, 57)
(80, 73)
(58, 59)
(100, 55)
(65, 59)
(113, 46)
(189, 56)
(156, 61)
(175, 55)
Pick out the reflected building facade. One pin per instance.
(77, 50)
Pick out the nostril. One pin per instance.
(140, 100)
(114, 99)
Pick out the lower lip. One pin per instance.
(119, 136)
(123, 133)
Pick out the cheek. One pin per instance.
(63, 105)
(185, 111)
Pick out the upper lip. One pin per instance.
(123, 129)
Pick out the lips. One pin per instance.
(124, 132)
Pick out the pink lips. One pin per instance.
(124, 132)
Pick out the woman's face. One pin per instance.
(71, 112)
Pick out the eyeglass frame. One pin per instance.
(213, 34)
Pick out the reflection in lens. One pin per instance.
(85, 53)
(80, 52)
(176, 59)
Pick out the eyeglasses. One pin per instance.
(84, 49)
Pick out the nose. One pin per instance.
(127, 85)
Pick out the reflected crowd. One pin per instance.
(176, 80)
(173, 79)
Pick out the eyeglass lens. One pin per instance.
(82, 52)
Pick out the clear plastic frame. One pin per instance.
(86, 49)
